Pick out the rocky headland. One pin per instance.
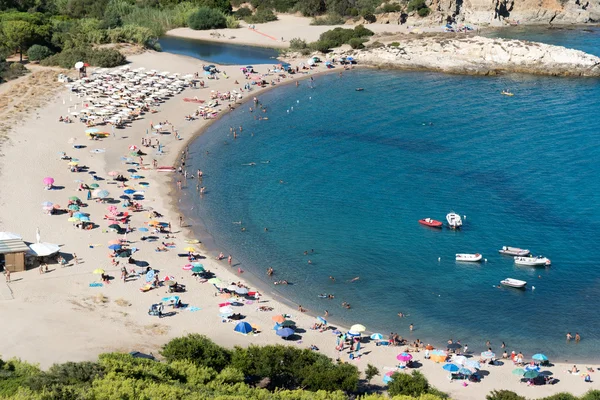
(475, 55)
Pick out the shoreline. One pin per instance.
(254, 278)
(39, 310)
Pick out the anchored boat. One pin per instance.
(431, 222)
(538, 261)
(514, 251)
(454, 220)
(515, 283)
(469, 257)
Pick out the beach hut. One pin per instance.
(12, 254)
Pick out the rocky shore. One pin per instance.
(477, 56)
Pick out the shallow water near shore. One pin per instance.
(360, 168)
(218, 53)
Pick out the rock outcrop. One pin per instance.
(501, 12)
(480, 56)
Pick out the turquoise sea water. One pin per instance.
(360, 168)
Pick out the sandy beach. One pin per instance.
(277, 34)
(57, 317)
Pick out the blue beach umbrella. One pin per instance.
(125, 197)
(322, 320)
(143, 229)
(531, 374)
(473, 364)
(114, 246)
(285, 332)
(102, 194)
(150, 276)
(243, 327)
(539, 357)
(79, 215)
(465, 371)
(132, 170)
(387, 379)
(488, 354)
(377, 336)
(451, 367)
(276, 327)
(84, 218)
(129, 191)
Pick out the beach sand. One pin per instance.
(56, 317)
(287, 27)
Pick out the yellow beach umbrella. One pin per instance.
(358, 328)
(189, 249)
(73, 219)
(98, 271)
(153, 223)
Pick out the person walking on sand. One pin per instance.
(75, 259)
(229, 259)
(7, 275)
(180, 221)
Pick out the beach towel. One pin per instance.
(96, 284)
(190, 308)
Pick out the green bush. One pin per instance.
(322, 45)
(243, 12)
(198, 349)
(561, 396)
(503, 395)
(105, 58)
(370, 18)
(591, 395)
(232, 22)
(395, 44)
(207, 18)
(361, 31)
(298, 44)
(329, 19)
(261, 16)
(423, 12)
(310, 8)
(356, 43)
(222, 5)
(390, 7)
(410, 385)
(38, 52)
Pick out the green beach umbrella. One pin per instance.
(531, 374)
(114, 226)
(287, 323)
(518, 371)
(73, 207)
(73, 219)
(198, 269)
(94, 185)
(214, 281)
(74, 198)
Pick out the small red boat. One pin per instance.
(430, 222)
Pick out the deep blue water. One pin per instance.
(218, 53)
(360, 168)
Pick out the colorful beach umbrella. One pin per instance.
(98, 271)
(84, 218)
(113, 173)
(518, 371)
(404, 357)
(473, 364)
(465, 371)
(143, 229)
(226, 310)
(322, 320)
(48, 180)
(531, 374)
(242, 291)
(285, 332)
(129, 191)
(198, 269)
(243, 327)
(214, 281)
(287, 323)
(358, 328)
(278, 318)
(114, 226)
(47, 204)
(73, 219)
(451, 367)
(189, 249)
(73, 207)
(377, 336)
(539, 357)
(94, 185)
(488, 354)
(74, 198)
(115, 247)
(101, 194)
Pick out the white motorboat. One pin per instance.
(530, 261)
(514, 251)
(454, 220)
(514, 283)
(469, 257)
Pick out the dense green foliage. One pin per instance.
(105, 58)
(38, 52)
(260, 16)
(339, 36)
(419, 6)
(207, 18)
(328, 19)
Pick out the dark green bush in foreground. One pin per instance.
(38, 52)
(105, 58)
(339, 36)
(207, 18)
(261, 15)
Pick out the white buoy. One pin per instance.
(310, 98)
(439, 259)
(533, 288)
(292, 108)
(288, 111)
(485, 259)
(464, 217)
(297, 101)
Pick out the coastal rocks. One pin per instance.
(480, 56)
